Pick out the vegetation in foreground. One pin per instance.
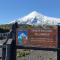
(22, 52)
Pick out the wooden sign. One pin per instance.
(38, 37)
(43, 38)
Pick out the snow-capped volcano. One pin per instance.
(35, 18)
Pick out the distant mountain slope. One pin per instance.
(35, 18)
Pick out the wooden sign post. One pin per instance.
(13, 47)
(39, 38)
(58, 51)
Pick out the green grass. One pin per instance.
(22, 53)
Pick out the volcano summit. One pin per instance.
(35, 18)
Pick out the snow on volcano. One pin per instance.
(35, 18)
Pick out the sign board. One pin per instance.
(38, 37)
(22, 37)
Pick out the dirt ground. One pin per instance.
(39, 55)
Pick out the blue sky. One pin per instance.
(13, 9)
